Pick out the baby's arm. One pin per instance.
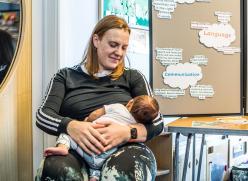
(96, 114)
(62, 146)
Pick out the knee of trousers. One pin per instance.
(64, 168)
(131, 162)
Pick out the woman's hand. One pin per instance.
(86, 135)
(114, 133)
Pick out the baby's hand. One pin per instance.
(55, 151)
(93, 179)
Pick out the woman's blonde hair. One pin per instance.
(90, 56)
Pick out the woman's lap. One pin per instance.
(131, 162)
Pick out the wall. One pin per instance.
(37, 85)
(77, 18)
(52, 33)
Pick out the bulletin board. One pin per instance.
(197, 56)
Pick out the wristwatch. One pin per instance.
(133, 132)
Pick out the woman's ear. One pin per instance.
(95, 40)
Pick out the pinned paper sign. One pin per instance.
(182, 75)
(228, 50)
(223, 17)
(185, 1)
(169, 93)
(190, 1)
(164, 8)
(199, 59)
(217, 35)
(202, 91)
(168, 56)
(199, 25)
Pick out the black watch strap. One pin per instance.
(133, 132)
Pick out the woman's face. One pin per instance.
(111, 48)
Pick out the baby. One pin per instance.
(142, 109)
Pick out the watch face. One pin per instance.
(133, 133)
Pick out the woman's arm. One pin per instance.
(140, 86)
(49, 120)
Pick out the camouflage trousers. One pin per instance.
(131, 162)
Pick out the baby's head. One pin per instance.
(143, 108)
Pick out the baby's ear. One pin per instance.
(129, 104)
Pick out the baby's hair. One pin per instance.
(144, 109)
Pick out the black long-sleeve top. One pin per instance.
(73, 94)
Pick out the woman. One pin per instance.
(101, 79)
